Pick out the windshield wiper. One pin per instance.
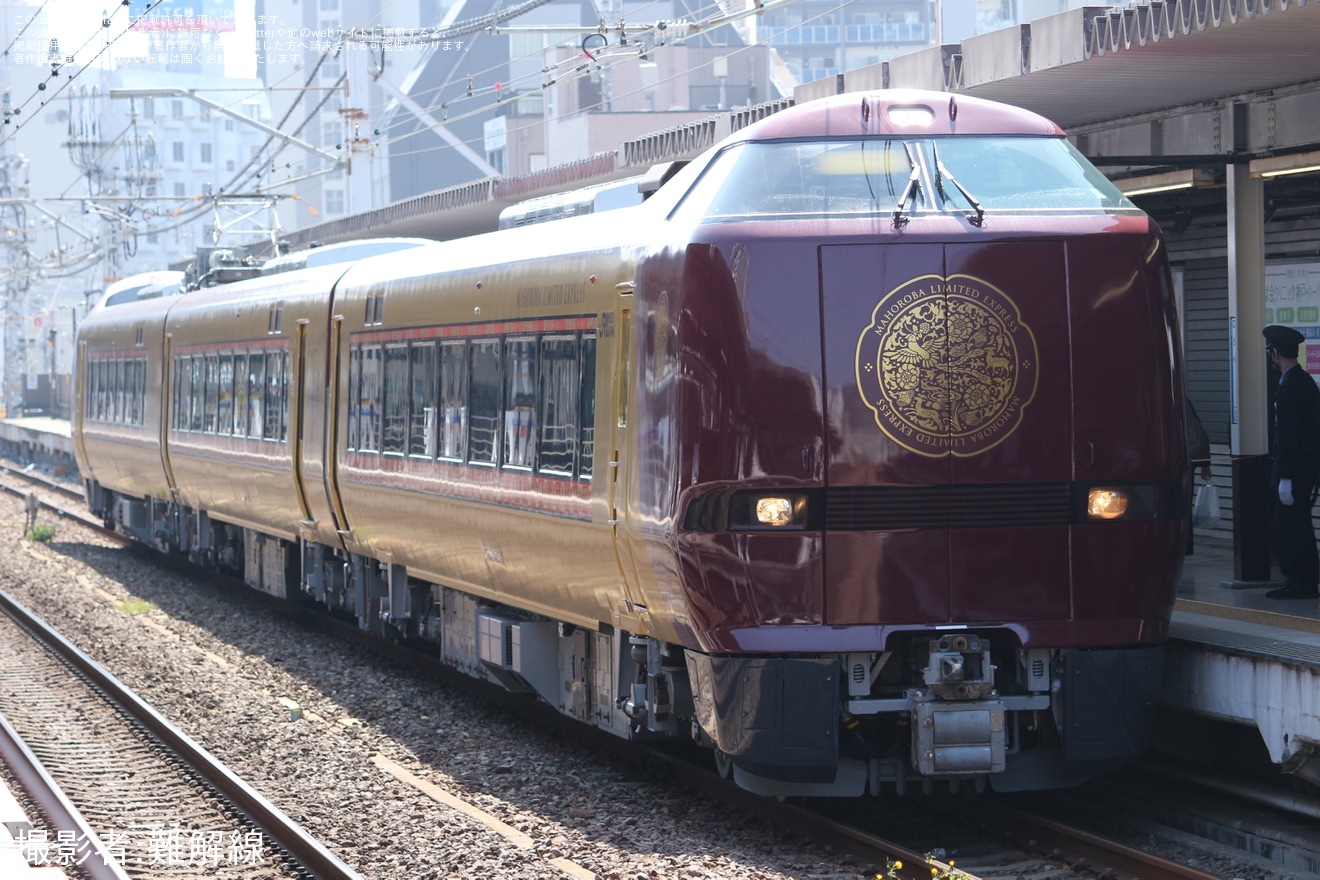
(940, 174)
(913, 186)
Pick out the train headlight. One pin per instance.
(1106, 503)
(774, 511)
(1121, 502)
(744, 510)
(769, 511)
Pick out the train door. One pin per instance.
(950, 454)
(620, 464)
(337, 402)
(167, 412)
(298, 409)
(79, 406)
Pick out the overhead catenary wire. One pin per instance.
(607, 63)
(579, 71)
(602, 62)
(56, 66)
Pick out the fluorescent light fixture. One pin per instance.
(1168, 181)
(1278, 166)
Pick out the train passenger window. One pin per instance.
(92, 407)
(369, 400)
(91, 402)
(119, 390)
(240, 394)
(453, 400)
(182, 393)
(587, 419)
(520, 394)
(212, 380)
(274, 403)
(89, 391)
(139, 391)
(129, 389)
(395, 404)
(484, 402)
(93, 390)
(256, 382)
(559, 404)
(225, 412)
(284, 396)
(198, 403)
(354, 399)
(422, 413)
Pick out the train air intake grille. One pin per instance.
(890, 508)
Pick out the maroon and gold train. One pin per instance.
(854, 453)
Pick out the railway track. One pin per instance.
(153, 801)
(1013, 845)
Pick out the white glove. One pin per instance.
(1285, 492)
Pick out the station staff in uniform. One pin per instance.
(1296, 462)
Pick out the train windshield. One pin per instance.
(999, 173)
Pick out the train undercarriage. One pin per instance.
(949, 708)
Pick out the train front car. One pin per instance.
(911, 367)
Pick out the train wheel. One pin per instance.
(723, 764)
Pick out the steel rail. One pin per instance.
(309, 853)
(1077, 846)
(91, 855)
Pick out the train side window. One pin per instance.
(354, 398)
(484, 402)
(131, 396)
(118, 415)
(140, 398)
(212, 379)
(240, 393)
(93, 390)
(256, 382)
(422, 383)
(110, 390)
(559, 404)
(182, 394)
(134, 393)
(587, 399)
(93, 404)
(225, 411)
(453, 400)
(198, 406)
(284, 396)
(520, 396)
(395, 404)
(274, 403)
(89, 389)
(369, 400)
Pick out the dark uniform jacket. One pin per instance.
(1297, 430)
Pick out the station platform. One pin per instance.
(46, 441)
(1236, 655)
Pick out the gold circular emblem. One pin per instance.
(947, 365)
